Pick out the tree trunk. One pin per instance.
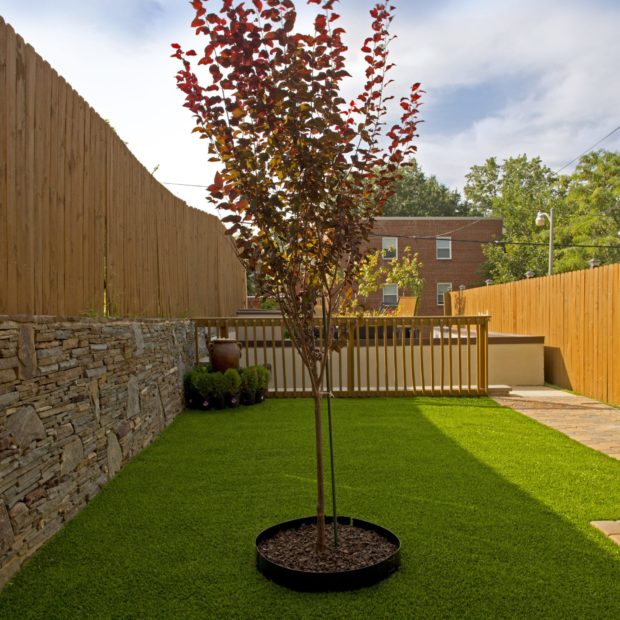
(320, 504)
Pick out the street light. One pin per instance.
(540, 221)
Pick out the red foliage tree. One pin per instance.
(303, 173)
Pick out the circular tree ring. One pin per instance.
(315, 581)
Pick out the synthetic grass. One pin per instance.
(492, 509)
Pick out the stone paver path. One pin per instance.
(611, 529)
(587, 421)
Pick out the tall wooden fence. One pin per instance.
(578, 313)
(379, 356)
(82, 220)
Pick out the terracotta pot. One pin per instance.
(224, 354)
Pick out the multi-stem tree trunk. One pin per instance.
(320, 478)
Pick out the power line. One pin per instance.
(613, 131)
(588, 150)
(461, 228)
(499, 242)
(184, 184)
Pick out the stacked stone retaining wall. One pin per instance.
(78, 399)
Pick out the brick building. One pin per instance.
(447, 247)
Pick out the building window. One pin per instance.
(390, 295)
(442, 288)
(443, 247)
(389, 246)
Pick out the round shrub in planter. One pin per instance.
(211, 387)
(232, 383)
(262, 374)
(193, 397)
(249, 385)
(218, 390)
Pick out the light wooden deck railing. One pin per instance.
(381, 356)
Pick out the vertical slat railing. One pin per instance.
(431, 339)
(468, 356)
(421, 349)
(409, 354)
(460, 353)
(283, 352)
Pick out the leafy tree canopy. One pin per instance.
(302, 170)
(586, 207)
(416, 195)
(593, 203)
(374, 273)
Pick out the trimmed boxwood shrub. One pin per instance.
(193, 398)
(262, 375)
(232, 386)
(249, 385)
(206, 389)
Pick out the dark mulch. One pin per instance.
(357, 548)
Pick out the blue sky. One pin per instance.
(502, 77)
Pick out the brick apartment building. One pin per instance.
(447, 247)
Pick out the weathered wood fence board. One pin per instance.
(82, 220)
(578, 313)
(379, 356)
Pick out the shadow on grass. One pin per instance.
(474, 543)
(172, 536)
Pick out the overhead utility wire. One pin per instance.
(184, 184)
(613, 131)
(558, 170)
(498, 242)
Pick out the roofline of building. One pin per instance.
(437, 217)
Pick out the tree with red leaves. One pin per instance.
(302, 172)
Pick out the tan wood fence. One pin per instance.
(578, 313)
(395, 356)
(83, 225)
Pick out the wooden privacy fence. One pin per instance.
(401, 356)
(578, 313)
(81, 220)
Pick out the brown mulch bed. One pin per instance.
(357, 548)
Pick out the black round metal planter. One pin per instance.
(309, 581)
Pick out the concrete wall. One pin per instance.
(516, 363)
(78, 399)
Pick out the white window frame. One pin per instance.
(449, 248)
(391, 294)
(441, 300)
(386, 244)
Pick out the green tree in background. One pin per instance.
(593, 200)
(586, 212)
(415, 194)
(515, 190)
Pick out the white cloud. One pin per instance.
(571, 95)
(562, 57)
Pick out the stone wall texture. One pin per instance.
(78, 399)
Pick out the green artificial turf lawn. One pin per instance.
(492, 510)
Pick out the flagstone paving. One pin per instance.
(587, 421)
(611, 529)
